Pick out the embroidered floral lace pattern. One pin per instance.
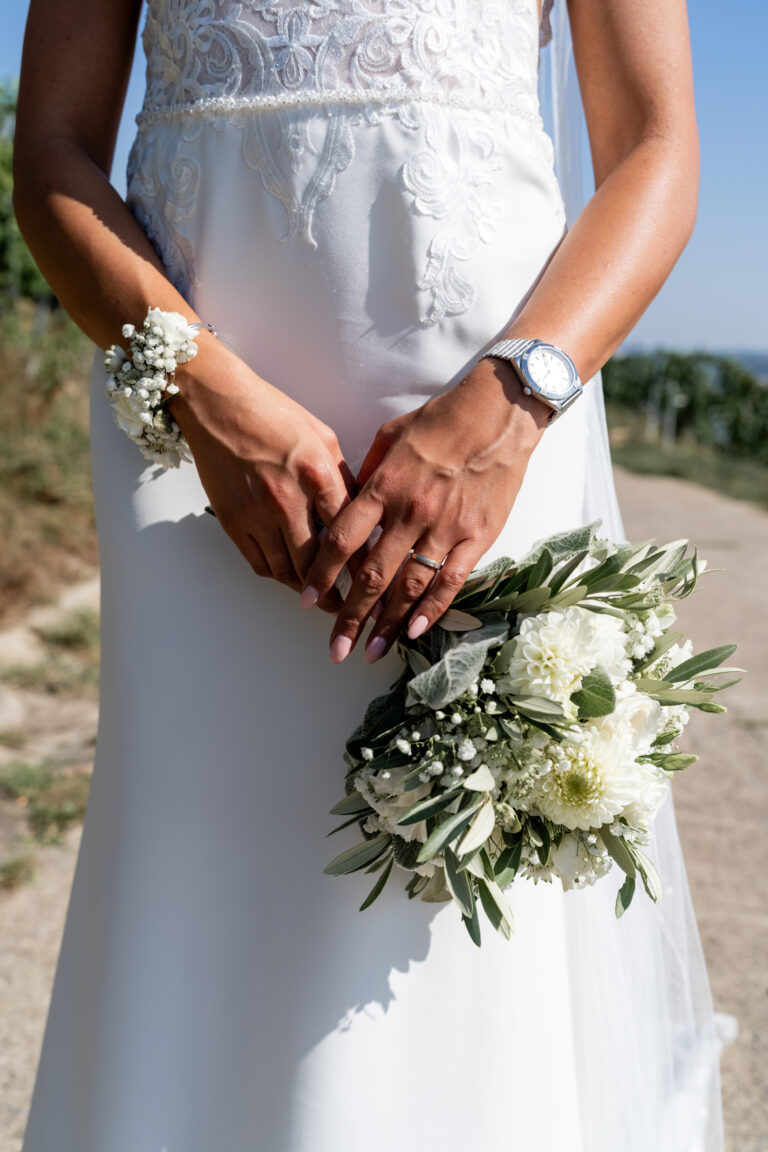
(296, 80)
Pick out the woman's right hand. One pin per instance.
(270, 468)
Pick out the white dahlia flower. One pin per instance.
(589, 783)
(553, 651)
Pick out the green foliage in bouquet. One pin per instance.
(533, 731)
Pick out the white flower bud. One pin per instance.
(366, 753)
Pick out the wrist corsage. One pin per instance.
(141, 383)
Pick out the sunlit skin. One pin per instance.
(443, 478)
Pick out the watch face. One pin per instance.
(550, 370)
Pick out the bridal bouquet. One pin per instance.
(533, 731)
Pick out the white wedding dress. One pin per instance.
(360, 194)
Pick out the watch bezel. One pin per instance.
(560, 399)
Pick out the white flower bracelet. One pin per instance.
(141, 383)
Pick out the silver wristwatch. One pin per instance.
(545, 371)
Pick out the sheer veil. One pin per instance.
(639, 986)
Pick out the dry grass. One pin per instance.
(53, 798)
(46, 513)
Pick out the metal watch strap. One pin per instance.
(512, 350)
(505, 348)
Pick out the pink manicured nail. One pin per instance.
(418, 625)
(340, 649)
(377, 610)
(375, 649)
(309, 597)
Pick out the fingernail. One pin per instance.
(377, 610)
(417, 625)
(340, 649)
(375, 649)
(309, 597)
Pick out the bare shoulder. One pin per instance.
(75, 69)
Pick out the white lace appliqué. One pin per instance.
(297, 79)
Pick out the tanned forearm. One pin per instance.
(616, 257)
(87, 243)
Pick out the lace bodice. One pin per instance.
(215, 54)
(297, 80)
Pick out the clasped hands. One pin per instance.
(439, 480)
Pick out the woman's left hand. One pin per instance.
(440, 480)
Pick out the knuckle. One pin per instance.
(337, 540)
(349, 626)
(453, 577)
(260, 568)
(315, 473)
(371, 580)
(412, 587)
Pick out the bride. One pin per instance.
(360, 196)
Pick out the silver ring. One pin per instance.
(425, 560)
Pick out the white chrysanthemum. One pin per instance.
(551, 654)
(589, 783)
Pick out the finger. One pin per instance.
(334, 494)
(346, 534)
(408, 590)
(327, 502)
(253, 553)
(376, 453)
(373, 577)
(278, 557)
(447, 584)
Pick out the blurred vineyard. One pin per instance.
(698, 416)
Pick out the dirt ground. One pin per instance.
(720, 805)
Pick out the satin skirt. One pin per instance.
(215, 990)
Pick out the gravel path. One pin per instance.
(720, 806)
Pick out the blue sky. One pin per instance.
(717, 296)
